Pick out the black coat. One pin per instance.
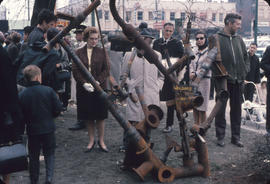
(254, 73)
(8, 98)
(37, 35)
(39, 105)
(46, 61)
(175, 49)
(265, 62)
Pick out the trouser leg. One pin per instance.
(34, 147)
(49, 151)
(235, 111)
(170, 115)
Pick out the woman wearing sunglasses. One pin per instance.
(200, 51)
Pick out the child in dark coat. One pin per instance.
(40, 106)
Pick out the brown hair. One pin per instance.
(30, 72)
(88, 31)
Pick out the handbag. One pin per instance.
(13, 157)
(63, 75)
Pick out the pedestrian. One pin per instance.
(175, 50)
(46, 20)
(199, 113)
(63, 67)
(93, 109)
(26, 32)
(14, 47)
(78, 44)
(265, 65)
(254, 73)
(235, 60)
(40, 105)
(150, 80)
(9, 104)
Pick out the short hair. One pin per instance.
(168, 24)
(47, 16)
(52, 32)
(30, 72)
(230, 17)
(253, 43)
(27, 29)
(15, 37)
(88, 31)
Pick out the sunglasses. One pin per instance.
(201, 38)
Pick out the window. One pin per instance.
(163, 15)
(106, 15)
(128, 16)
(214, 17)
(99, 14)
(140, 15)
(172, 15)
(221, 17)
(150, 15)
(192, 16)
(183, 16)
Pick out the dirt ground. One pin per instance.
(229, 165)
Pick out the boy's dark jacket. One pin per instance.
(39, 105)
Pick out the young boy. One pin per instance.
(40, 105)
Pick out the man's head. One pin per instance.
(26, 31)
(15, 37)
(46, 19)
(79, 32)
(252, 49)
(168, 30)
(32, 73)
(232, 23)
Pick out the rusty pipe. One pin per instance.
(73, 24)
(202, 151)
(222, 98)
(186, 103)
(152, 120)
(195, 170)
(178, 65)
(64, 16)
(134, 35)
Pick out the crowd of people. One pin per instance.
(40, 85)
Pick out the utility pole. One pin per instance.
(93, 21)
(28, 4)
(255, 26)
(156, 10)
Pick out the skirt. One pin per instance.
(91, 106)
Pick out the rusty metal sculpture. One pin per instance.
(184, 100)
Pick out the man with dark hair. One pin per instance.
(175, 49)
(254, 73)
(46, 20)
(26, 32)
(14, 47)
(234, 57)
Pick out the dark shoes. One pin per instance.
(237, 143)
(87, 150)
(103, 149)
(78, 126)
(220, 142)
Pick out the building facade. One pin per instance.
(204, 14)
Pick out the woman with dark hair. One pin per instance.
(200, 51)
(91, 106)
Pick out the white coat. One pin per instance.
(148, 78)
